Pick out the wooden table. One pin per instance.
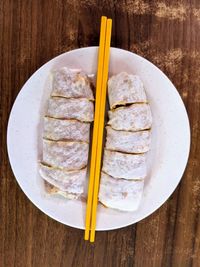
(165, 32)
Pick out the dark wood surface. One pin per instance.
(165, 32)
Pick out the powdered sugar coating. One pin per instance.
(65, 155)
(128, 166)
(125, 88)
(132, 118)
(67, 181)
(128, 142)
(63, 108)
(71, 84)
(57, 129)
(120, 194)
(66, 122)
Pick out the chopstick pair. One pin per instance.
(101, 85)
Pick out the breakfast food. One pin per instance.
(66, 134)
(53, 190)
(125, 89)
(135, 117)
(65, 155)
(67, 130)
(127, 141)
(67, 181)
(73, 108)
(120, 194)
(66, 139)
(121, 165)
(72, 84)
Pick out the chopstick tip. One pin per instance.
(86, 236)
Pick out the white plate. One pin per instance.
(166, 160)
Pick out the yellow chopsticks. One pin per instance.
(101, 128)
(96, 126)
(102, 76)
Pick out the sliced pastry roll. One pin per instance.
(71, 84)
(66, 155)
(53, 190)
(128, 142)
(120, 194)
(71, 182)
(59, 129)
(125, 88)
(127, 166)
(131, 118)
(63, 108)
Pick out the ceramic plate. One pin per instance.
(166, 160)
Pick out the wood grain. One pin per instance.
(165, 32)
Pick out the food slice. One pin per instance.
(128, 142)
(127, 166)
(57, 129)
(71, 182)
(63, 108)
(65, 155)
(125, 88)
(131, 118)
(71, 84)
(120, 194)
(53, 190)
